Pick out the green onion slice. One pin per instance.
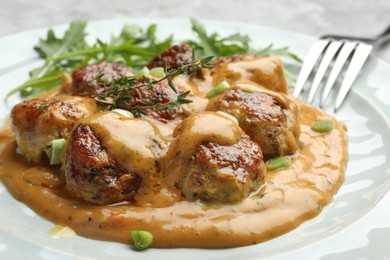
(277, 163)
(141, 239)
(59, 231)
(143, 72)
(157, 72)
(123, 112)
(220, 88)
(322, 126)
(227, 115)
(57, 145)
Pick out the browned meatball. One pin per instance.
(84, 80)
(224, 173)
(144, 99)
(108, 156)
(211, 158)
(271, 123)
(174, 57)
(37, 122)
(92, 174)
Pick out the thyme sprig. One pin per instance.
(119, 93)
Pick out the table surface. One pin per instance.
(314, 17)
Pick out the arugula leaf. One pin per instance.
(74, 39)
(133, 47)
(233, 44)
(280, 52)
(206, 42)
(35, 86)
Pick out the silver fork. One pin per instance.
(341, 50)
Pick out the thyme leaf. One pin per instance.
(119, 93)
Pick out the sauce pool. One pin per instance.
(288, 197)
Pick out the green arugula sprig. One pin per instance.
(118, 94)
(133, 47)
(215, 45)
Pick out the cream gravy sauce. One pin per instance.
(287, 198)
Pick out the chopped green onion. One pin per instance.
(322, 126)
(143, 72)
(277, 163)
(141, 239)
(123, 112)
(220, 88)
(57, 146)
(227, 115)
(157, 72)
(59, 231)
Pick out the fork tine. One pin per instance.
(359, 57)
(337, 66)
(310, 60)
(330, 52)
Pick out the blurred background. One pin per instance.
(314, 17)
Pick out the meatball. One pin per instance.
(108, 156)
(262, 71)
(143, 98)
(92, 174)
(224, 173)
(174, 57)
(84, 80)
(214, 162)
(37, 122)
(270, 119)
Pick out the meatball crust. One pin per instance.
(270, 124)
(144, 97)
(92, 174)
(174, 57)
(84, 80)
(224, 173)
(37, 122)
(213, 161)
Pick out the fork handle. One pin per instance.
(379, 40)
(384, 34)
(343, 38)
(383, 37)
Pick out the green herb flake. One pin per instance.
(144, 72)
(229, 116)
(219, 89)
(57, 146)
(277, 163)
(43, 107)
(141, 239)
(322, 126)
(158, 72)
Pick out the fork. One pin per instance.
(341, 50)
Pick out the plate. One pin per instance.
(354, 226)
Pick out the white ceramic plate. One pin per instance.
(355, 225)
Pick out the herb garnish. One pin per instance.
(43, 107)
(215, 45)
(133, 47)
(118, 93)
